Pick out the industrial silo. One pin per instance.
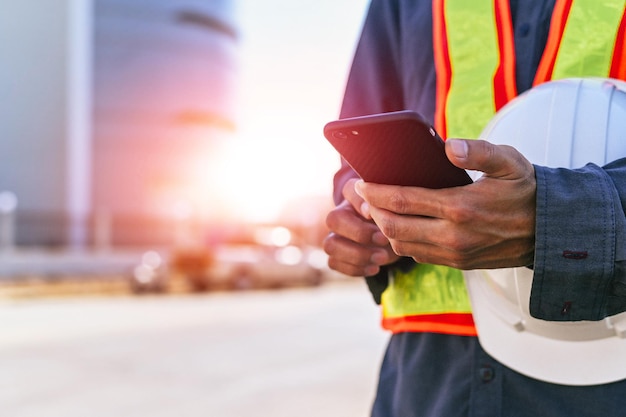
(109, 109)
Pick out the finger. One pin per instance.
(345, 221)
(347, 251)
(499, 256)
(353, 259)
(350, 194)
(353, 270)
(401, 228)
(496, 161)
(413, 201)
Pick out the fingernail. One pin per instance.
(378, 258)
(371, 270)
(365, 211)
(357, 188)
(459, 148)
(379, 239)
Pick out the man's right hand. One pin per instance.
(355, 245)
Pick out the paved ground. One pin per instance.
(302, 352)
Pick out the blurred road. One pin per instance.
(299, 352)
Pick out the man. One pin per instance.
(457, 63)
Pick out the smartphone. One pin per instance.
(397, 148)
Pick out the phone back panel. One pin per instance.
(397, 148)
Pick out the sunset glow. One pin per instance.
(294, 64)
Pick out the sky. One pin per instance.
(294, 63)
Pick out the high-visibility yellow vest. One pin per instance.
(475, 66)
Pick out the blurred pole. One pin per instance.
(45, 113)
(8, 204)
(79, 57)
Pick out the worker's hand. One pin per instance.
(355, 245)
(487, 224)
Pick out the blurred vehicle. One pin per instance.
(272, 261)
(193, 264)
(150, 275)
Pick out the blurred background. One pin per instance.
(163, 188)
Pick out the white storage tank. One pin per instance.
(109, 108)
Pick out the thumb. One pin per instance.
(497, 161)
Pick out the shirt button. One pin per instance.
(487, 373)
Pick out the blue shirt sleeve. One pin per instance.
(580, 248)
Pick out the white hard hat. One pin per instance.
(565, 123)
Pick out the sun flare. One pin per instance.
(256, 177)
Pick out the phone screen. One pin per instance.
(398, 148)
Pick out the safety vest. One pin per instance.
(475, 66)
